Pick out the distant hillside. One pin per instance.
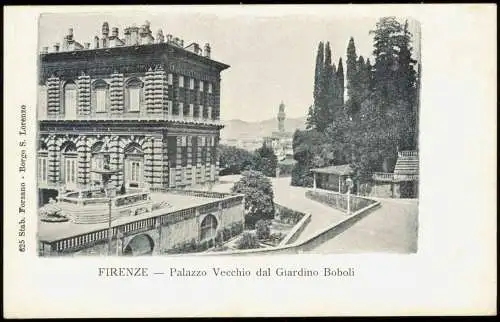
(238, 129)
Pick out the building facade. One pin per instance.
(147, 106)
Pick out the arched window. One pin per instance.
(208, 228)
(70, 99)
(100, 90)
(69, 165)
(133, 95)
(134, 165)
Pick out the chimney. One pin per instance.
(70, 34)
(114, 32)
(169, 38)
(134, 36)
(56, 47)
(159, 36)
(181, 42)
(176, 40)
(87, 45)
(126, 32)
(207, 50)
(45, 50)
(96, 42)
(105, 30)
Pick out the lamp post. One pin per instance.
(349, 186)
(110, 229)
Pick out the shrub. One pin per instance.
(236, 228)
(289, 216)
(277, 237)
(248, 241)
(262, 229)
(226, 234)
(259, 197)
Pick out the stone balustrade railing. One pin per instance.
(383, 176)
(411, 153)
(193, 193)
(392, 177)
(78, 242)
(338, 200)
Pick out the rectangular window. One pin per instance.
(100, 99)
(42, 169)
(191, 110)
(181, 81)
(209, 112)
(212, 172)
(70, 101)
(201, 112)
(181, 108)
(210, 88)
(201, 86)
(169, 107)
(134, 98)
(170, 79)
(191, 83)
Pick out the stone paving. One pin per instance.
(294, 198)
(392, 228)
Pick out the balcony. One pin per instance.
(132, 117)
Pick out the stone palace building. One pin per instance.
(146, 105)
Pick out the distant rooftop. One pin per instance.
(343, 170)
(132, 36)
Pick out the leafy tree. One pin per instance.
(311, 150)
(247, 241)
(262, 229)
(234, 159)
(265, 161)
(259, 196)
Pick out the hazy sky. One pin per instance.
(272, 58)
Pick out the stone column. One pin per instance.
(84, 94)
(53, 160)
(116, 93)
(157, 162)
(114, 147)
(83, 150)
(148, 160)
(314, 180)
(53, 96)
(189, 171)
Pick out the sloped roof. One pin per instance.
(343, 170)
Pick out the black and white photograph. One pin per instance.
(249, 160)
(225, 143)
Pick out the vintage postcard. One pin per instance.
(216, 150)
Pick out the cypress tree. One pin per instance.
(318, 86)
(352, 103)
(324, 110)
(340, 79)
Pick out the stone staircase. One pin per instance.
(407, 163)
